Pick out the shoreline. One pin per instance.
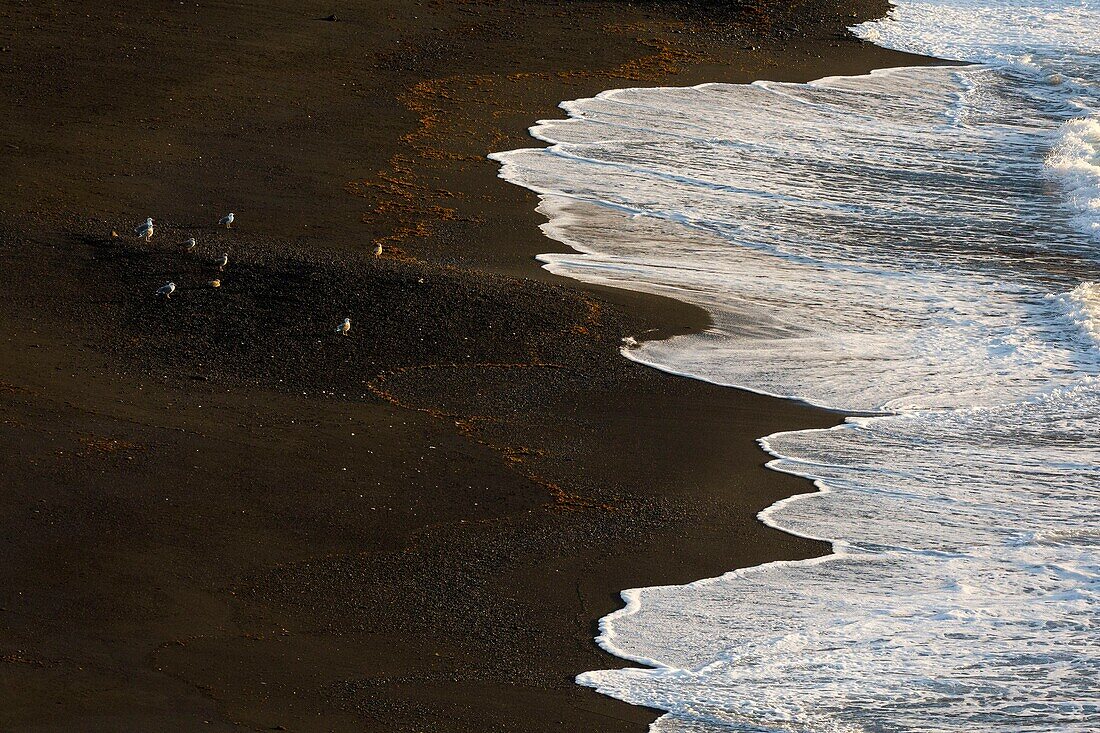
(221, 512)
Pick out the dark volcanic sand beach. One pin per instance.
(217, 513)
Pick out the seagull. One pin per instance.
(227, 220)
(344, 327)
(191, 244)
(223, 262)
(377, 249)
(167, 289)
(145, 230)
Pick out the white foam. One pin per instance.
(1002, 32)
(915, 241)
(1075, 163)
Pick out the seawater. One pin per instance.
(919, 244)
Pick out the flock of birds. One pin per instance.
(145, 231)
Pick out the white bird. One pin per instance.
(145, 230)
(227, 220)
(191, 244)
(167, 289)
(377, 249)
(223, 261)
(344, 327)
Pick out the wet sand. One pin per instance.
(216, 512)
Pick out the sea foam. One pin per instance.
(1075, 163)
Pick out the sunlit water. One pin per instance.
(922, 243)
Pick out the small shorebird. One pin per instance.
(145, 230)
(223, 261)
(377, 249)
(344, 327)
(191, 244)
(166, 290)
(227, 220)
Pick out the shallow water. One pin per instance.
(922, 243)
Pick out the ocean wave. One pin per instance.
(888, 243)
(1075, 163)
